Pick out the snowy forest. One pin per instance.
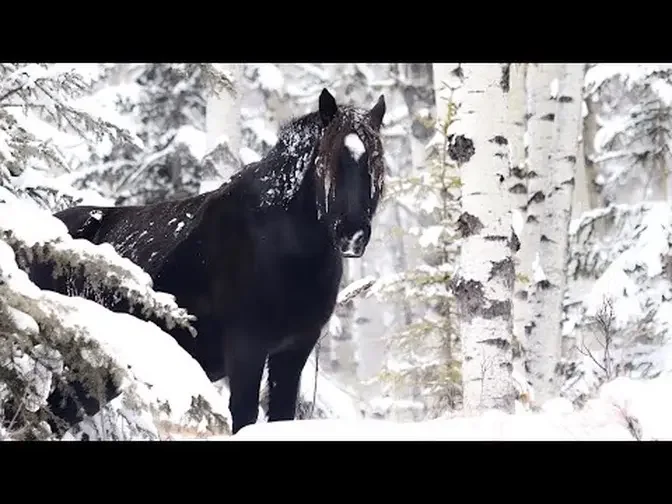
(517, 285)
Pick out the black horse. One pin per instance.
(258, 261)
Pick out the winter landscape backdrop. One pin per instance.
(443, 330)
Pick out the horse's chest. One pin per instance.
(298, 292)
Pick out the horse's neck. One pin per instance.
(282, 173)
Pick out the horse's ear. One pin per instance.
(327, 106)
(378, 112)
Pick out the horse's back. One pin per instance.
(82, 221)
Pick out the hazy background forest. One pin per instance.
(120, 134)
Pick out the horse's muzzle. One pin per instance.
(353, 246)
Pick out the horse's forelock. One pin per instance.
(349, 120)
(326, 162)
(374, 148)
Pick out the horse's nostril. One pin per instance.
(352, 245)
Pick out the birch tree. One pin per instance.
(518, 187)
(551, 275)
(483, 283)
(540, 128)
(589, 133)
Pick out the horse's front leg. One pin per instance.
(244, 365)
(284, 376)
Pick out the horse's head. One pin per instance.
(350, 171)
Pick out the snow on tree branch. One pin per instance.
(39, 238)
(619, 266)
(50, 337)
(214, 76)
(355, 289)
(629, 72)
(48, 92)
(164, 105)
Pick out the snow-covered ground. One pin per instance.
(626, 410)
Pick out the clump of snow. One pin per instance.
(248, 156)
(663, 90)
(193, 138)
(209, 185)
(614, 280)
(355, 288)
(20, 320)
(431, 236)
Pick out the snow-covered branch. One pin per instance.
(38, 238)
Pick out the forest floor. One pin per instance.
(625, 410)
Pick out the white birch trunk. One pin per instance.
(518, 186)
(542, 79)
(483, 284)
(583, 191)
(590, 127)
(581, 201)
(552, 277)
(223, 124)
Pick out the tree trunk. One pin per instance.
(584, 199)
(518, 187)
(551, 283)
(590, 127)
(483, 284)
(541, 109)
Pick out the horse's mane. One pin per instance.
(288, 126)
(276, 181)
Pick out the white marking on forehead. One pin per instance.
(354, 145)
